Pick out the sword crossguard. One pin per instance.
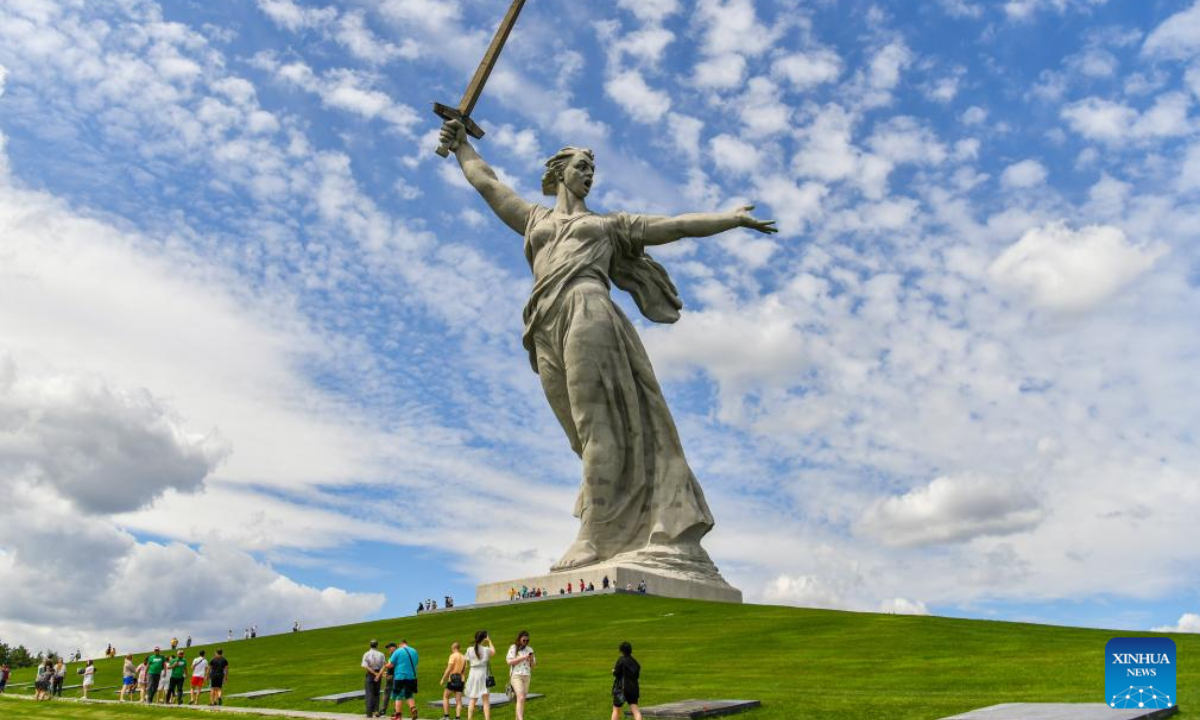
(446, 112)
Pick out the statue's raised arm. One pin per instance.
(503, 201)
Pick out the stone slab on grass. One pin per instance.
(1063, 711)
(339, 698)
(495, 699)
(260, 693)
(693, 709)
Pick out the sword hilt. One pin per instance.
(446, 112)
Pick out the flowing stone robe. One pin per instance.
(638, 498)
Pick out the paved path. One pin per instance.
(277, 712)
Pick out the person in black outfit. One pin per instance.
(625, 683)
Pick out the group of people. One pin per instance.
(431, 604)
(584, 586)
(392, 677)
(51, 674)
(146, 678)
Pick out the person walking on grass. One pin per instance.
(387, 680)
(452, 679)
(625, 683)
(60, 677)
(142, 679)
(404, 663)
(373, 662)
(521, 662)
(154, 671)
(480, 678)
(218, 673)
(199, 673)
(178, 667)
(128, 676)
(89, 679)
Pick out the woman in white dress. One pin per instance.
(89, 678)
(478, 656)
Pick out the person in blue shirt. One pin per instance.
(403, 663)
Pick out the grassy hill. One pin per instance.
(801, 663)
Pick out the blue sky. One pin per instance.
(258, 342)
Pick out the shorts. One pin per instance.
(216, 681)
(631, 699)
(520, 684)
(403, 688)
(128, 681)
(197, 681)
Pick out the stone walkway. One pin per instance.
(276, 712)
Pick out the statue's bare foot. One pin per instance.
(581, 553)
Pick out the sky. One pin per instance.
(260, 353)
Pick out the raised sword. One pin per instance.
(475, 88)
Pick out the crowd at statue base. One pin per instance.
(622, 576)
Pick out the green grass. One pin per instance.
(800, 663)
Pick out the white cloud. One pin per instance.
(903, 139)
(1067, 270)
(732, 26)
(650, 10)
(1177, 37)
(1188, 623)
(734, 155)
(721, 72)
(803, 591)
(1111, 122)
(685, 133)
(953, 509)
(794, 206)
(805, 70)
(887, 64)
(1024, 174)
(347, 90)
(903, 606)
(1025, 9)
(1189, 169)
(974, 115)
(290, 16)
(104, 449)
(643, 103)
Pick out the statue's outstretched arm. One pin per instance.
(507, 205)
(662, 229)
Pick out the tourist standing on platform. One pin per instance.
(625, 683)
(142, 679)
(154, 670)
(60, 677)
(387, 681)
(373, 662)
(452, 679)
(189, 642)
(128, 676)
(521, 662)
(404, 664)
(199, 673)
(89, 679)
(218, 673)
(178, 667)
(480, 678)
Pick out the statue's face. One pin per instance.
(578, 175)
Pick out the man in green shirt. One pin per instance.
(154, 670)
(178, 667)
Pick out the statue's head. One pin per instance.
(572, 168)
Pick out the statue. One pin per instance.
(639, 501)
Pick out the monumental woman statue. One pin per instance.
(639, 501)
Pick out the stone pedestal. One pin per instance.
(621, 575)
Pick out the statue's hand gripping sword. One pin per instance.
(475, 88)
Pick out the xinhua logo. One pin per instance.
(1139, 672)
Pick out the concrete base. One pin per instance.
(495, 699)
(1063, 711)
(695, 709)
(621, 576)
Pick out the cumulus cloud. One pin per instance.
(805, 70)
(1177, 37)
(106, 450)
(1113, 122)
(1188, 623)
(803, 591)
(650, 10)
(903, 606)
(1065, 270)
(953, 509)
(1023, 174)
(642, 103)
